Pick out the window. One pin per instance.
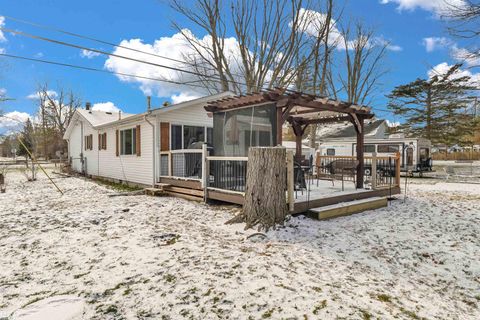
(424, 153)
(330, 152)
(176, 137)
(369, 148)
(388, 148)
(89, 142)
(182, 137)
(102, 141)
(192, 134)
(128, 141)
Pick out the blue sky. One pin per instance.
(149, 20)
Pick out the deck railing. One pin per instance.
(226, 173)
(379, 172)
(184, 163)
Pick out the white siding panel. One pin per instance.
(127, 167)
(91, 156)
(195, 115)
(75, 147)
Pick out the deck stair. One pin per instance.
(167, 189)
(347, 208)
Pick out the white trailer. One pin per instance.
(415, 153)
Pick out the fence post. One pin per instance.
(374, 170)
(290, 182)
(397, 169)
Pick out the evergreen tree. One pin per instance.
(28, 138)
(434, 108)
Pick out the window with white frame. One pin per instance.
(128, 141)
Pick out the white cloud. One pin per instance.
(3, 91)
(37, 95)
(2, 23)
(392, 124)
(174, 47)
(13, 121)
(105, 106)
(39, 55)
(438, 7)
(314, 22)
(88, 54)
(183, 96)
(444, 67)
(434, 43)
(466, 56)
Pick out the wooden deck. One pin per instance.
(191, 189)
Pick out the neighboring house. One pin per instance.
(341, 141)
(127, 148)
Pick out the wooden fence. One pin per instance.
(467, 155)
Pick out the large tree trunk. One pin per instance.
(265, 201)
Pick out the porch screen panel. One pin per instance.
(236, 131)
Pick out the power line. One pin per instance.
(45, 27)
(97, 70)
(115, 55)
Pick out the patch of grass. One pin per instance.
(170, 278)
(477, 297)
(317, 289)
(127, 292)
(117, 186)
(111, 290)
(319, 307)
(384, 297)
(111, 309)
(365, 315)
(410, 314)
(267, 314)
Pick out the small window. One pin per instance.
(424, 153)
(330, 152)
(176, 137)
(128, 142)
(102, 141)
(388, 148)
(369, 148)
(89, 142)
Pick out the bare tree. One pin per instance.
(363, 57)
(56, 109)
(464, 22)
(271, 35)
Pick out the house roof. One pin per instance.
(97, 118)
(101, 119)
(347, 130)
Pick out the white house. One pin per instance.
(128, 148)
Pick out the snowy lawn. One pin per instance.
(85, 255)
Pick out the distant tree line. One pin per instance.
(43, 135)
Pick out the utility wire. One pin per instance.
(45, 27)
(97, 70)
(115, 55)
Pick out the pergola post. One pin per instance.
(360, 149)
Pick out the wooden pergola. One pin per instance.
(301, 110)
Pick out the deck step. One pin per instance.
(348, 208)
(159, 185)
(154, 191)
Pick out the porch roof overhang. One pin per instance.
(297, 108)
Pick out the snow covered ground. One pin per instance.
(85, 255)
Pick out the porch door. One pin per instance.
(409, 156)
(164, 146)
